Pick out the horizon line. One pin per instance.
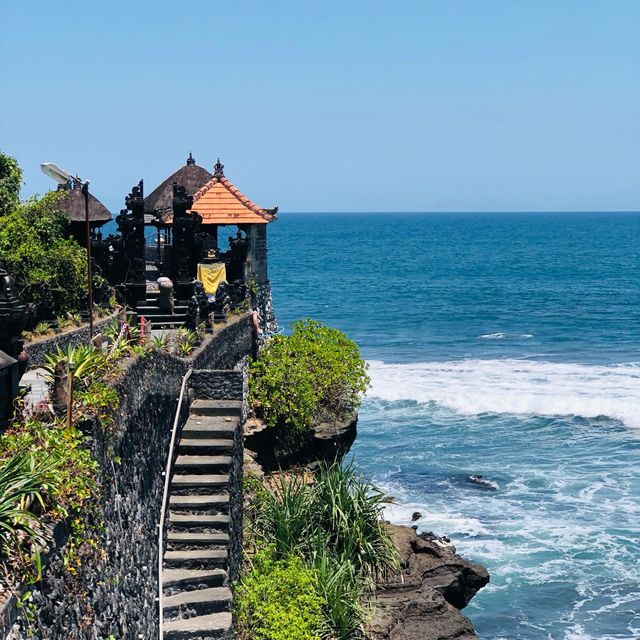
(470, 212)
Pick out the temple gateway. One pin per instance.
(196, 234)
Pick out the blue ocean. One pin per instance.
(505, 346)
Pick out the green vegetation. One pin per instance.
(316, 372)
(49, 268)
(47, 472)
(10, 183)
(21, 483)
(332, 523)
(278, 600)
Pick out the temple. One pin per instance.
(179, 234)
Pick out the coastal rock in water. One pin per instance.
(422, 601)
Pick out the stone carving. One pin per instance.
(165, 298)
(130, 223)
(187, 238)
(13, 316)
(198, 309)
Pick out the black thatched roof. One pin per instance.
(190, 176)
(73, 203)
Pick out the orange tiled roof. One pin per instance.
(219, 202)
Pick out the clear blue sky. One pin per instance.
(454, 105)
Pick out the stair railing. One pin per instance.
(163, 505)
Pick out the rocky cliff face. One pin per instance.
(325, 441)
(422, 600)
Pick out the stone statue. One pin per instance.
(165, 299)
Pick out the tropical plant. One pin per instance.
(160, 342)
(41, 329)
(348, 508)
(90, 363)
(314, 372)
(64, 322)
(278, 600)
(67, 469)
(21, 483)
(186, 341)
(333, 521)
(342, 591)
(284, 515)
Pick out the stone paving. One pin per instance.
(39, 392)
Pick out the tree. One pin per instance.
(49, 267)
(10, 182)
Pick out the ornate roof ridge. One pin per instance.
(219, 177)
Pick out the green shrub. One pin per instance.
(315, 372)
(278, 600)
(333, 521)
(71, 470)
(10, 183)
(49, 268)
(21, 483)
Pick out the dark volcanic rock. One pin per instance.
(421, 601)
(325, 441)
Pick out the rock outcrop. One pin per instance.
(324, 441)
(422, 601)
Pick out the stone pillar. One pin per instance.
(256, 264)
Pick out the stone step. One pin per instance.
(210, 427)
(204, 446)
(163, 317)
(215, 625)
(202, 464)
(205, 481)
(185, 579)
(202, 601)
(207, 502)
(196, 559)
(166, 325)
(178, 521)
(216, 407)
(154, 310)
(194, 539)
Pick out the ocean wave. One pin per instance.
(511, 386)
(501, 336)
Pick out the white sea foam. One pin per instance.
(513, 386)
(501, 336)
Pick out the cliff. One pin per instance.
(422, 600)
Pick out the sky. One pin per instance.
(449, 105)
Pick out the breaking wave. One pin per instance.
(502, 336)
(512, 386)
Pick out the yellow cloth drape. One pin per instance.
(211, 275)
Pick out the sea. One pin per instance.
(504, 407)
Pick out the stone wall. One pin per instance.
(113, 590)
(226, 347)
(264, 306)
(217, 384)
(37, 350)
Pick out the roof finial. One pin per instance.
(190, 159)
(218, 170)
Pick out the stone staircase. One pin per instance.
(196, 595)
(159, 320)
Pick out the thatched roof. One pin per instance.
(190, 176)
(73, 203)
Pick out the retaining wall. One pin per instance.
(113, 590)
